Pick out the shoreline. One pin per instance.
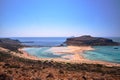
(79, 59)
(24, 69)
(76, 58)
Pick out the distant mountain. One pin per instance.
(88, 40)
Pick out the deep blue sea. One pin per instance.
(102, 53)
(41, 41)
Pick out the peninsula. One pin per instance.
(88, 40)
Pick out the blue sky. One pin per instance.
(55, 18)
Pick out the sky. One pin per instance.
(59, 18)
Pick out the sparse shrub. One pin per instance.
(50, 75)
(5, 77)
(84, 78)
(36, 79)
(14, 66)
(9, 71)
(7, 65)
(61, 71)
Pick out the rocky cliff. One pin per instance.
(90, 41)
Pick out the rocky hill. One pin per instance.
(10, 44)
(90, 41)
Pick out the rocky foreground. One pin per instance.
(16, 68)
(90, 41)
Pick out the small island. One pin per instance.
(88, 40)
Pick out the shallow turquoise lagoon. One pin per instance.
(104, 53)
(43, 52)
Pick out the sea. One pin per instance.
(41, 41)
(100, 53)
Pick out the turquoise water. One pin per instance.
(44, 53)
(104, 53)
(41, 52)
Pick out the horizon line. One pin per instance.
(50, 36)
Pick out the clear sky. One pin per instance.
(55, 18)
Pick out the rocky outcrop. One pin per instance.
(90, 41)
